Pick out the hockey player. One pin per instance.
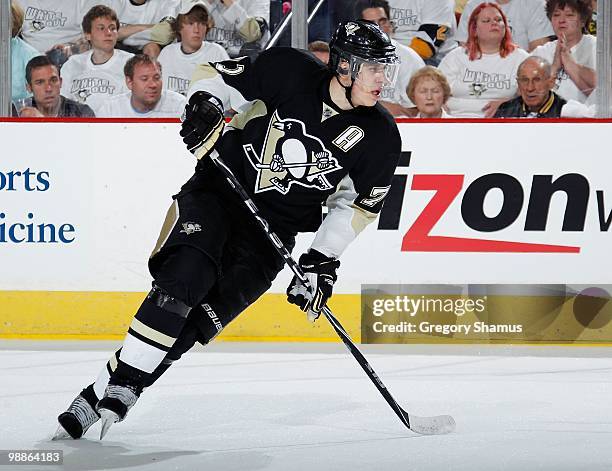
(212, 260)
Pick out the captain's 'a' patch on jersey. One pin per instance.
(291, 156)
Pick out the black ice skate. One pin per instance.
(81, 415)
(115, 404)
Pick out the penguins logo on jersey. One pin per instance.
(191, 227)
(291, 156)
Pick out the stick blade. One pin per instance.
(438, 425)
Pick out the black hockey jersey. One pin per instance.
(292, 148)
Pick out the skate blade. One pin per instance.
(108, 418)
(61, 434)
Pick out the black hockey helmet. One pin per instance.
(360, 39)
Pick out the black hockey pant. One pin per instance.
(218, 271)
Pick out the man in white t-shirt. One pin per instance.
(141, 29)
(427, 26)
(179, 60)
(527, 20)
(395, 100)
(146, 98)
(573, 54)
(94, 76)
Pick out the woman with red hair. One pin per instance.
(482, 74)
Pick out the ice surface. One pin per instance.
(310, 407)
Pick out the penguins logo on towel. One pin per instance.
(291, 156)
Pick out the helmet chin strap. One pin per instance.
(347, 90)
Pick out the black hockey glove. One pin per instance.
(202, 123)
(321, 273)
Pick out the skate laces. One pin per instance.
(125, 394)
(83, 411)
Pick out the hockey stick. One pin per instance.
(437, 425)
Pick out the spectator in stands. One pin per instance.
(21, 53)
(526, 18)
(94, 76)
(144, 24)
(146, 98)
(429, 91)
(394, 100)
(240, 26)
(573, 54)
(179, 60)
(44, 83)
(49, 23)
(320, 49)
(536, 98)
(482, 74)
(426, 26)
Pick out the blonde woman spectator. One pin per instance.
(179, 60)
(573, 54)
(482, 74)
(429, 91)
(146, 98)
(94, 76)
(527, 20)
(21, 53)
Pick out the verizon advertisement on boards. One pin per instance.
(81, 206)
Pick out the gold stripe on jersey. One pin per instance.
(256, 110)
(152, 334)
(361, 218)
(203, 72)
(112, 363)
(172, 217)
